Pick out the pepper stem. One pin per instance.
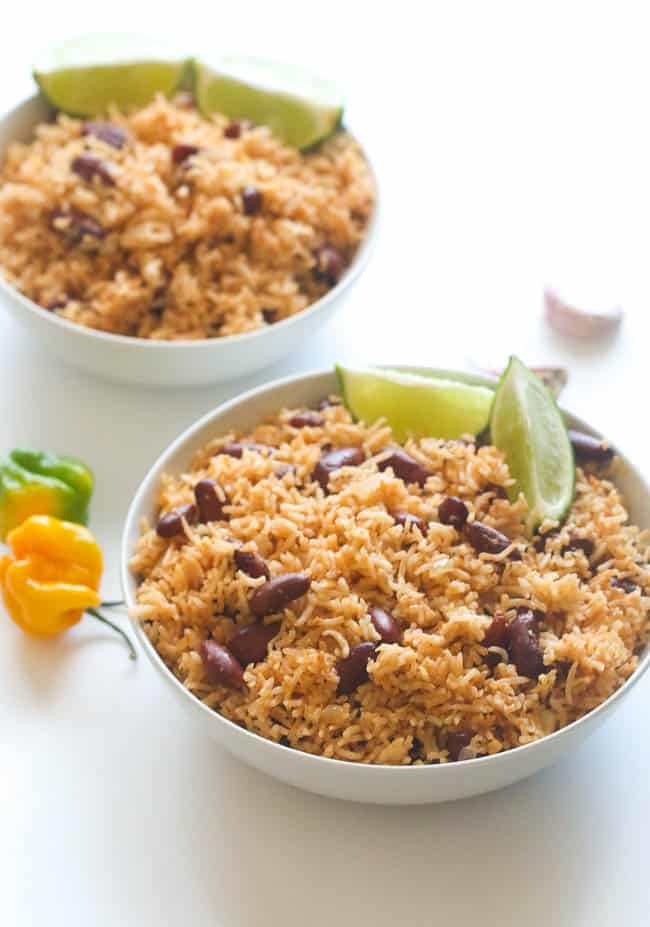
(127, 640)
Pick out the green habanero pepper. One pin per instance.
(41, 483)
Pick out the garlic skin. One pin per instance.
(569, 320)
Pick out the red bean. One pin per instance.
(486, 540)
(496, 636)
(250, 644)
(283, 470)
(330, 264)
(233, 129)
(384, 624)
(250, 563)
(270, 316)
(183, 151)
(404, 467)
(523, 645)
(107, 132)
(56, 304)
(353, 669)
(586, 545)
(332, 461)
(453, 511)
(251, 200)
(589, 449)
(306, 420)
(276, 594)
(409, 521)
(171, 524)
(623, 583)
(237, 448)
(328, 403)
(208, 501)
(88, 166)
(221, 667)
(457, 741)
(79, 224)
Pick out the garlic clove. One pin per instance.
(568, 319)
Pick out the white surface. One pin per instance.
(382, 785)
(528, 156)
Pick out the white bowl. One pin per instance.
(388, 785)
(165, 363)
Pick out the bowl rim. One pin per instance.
(353, 271)
(370, 769)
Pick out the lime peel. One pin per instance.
(414, 405)
(528, 427)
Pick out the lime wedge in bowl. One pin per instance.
(299, 108)
(85, 75)
(415, 405)
(527, 426)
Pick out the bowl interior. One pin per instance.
(245, 412)
(19, 125)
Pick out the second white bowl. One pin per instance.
(165, 363)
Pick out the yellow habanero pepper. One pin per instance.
(52, 575)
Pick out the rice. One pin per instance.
(157, 243)
(438, 680)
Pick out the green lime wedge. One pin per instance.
(528, 427)
(85, 75)
(299, 108)
(416, 405)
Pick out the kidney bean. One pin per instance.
(384, 624)
(78, 225)
(327, 403)
(540, 541)
(409, 521)
(586, 545)
(306, 419)
(251, 200)
(270, 316)
(221, 667)
(589, 449)
(237, 448)
(56, 304)
(276, 594)
(456, 742)
(88, 165)
(624, 583)
(250, 563)
(353, 669)
(486, 540)
(498, 491)
(405, 467)
(171, 524)
(330, 264)
(233, 129)
(453, 511)
(283, 470)
(332, 461)
(208, 501)
(249, 644)
(107, 132)
(183, 151)
(523, 645)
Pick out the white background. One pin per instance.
(512, 146)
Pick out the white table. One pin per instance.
(511, 147)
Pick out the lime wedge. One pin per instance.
(528, 427)
(85, 75)
(416, 405)
(299, 108)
